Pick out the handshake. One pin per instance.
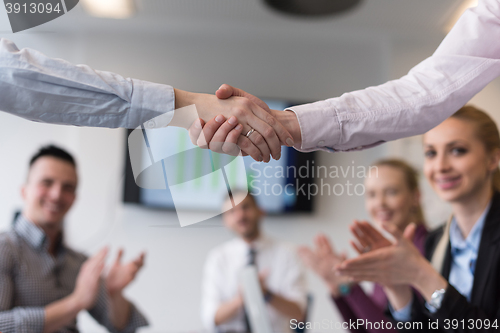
(235, 121)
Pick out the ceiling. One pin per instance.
(393, 18)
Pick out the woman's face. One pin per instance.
(456, 162)
(388, 198)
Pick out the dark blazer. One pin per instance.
(485, 295)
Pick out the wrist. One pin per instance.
(74, 303)
(399, 296)
(183, 98)
(239, 301)
(289, 120)
(428, 281)
(114, 294)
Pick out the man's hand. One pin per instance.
(287, 118)
(88, 280)
(120, 275)
(322, 260)
(269, 133)
(227, 137)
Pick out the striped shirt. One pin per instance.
(31, 278)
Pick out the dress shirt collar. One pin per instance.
(472, 241)
(33, 235)
(258, 244)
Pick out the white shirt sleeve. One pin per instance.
(210, 295)
(294, 284)
(465, 62)
(39, 88)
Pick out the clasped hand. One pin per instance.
(231, 132)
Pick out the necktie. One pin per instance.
(252, 254)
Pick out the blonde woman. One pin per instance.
(459, 275)
(392, 196)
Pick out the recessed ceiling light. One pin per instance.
(118, 9)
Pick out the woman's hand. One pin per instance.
(268, 135)
(368, 237)
(223, 136)
(322, 260)
(396, 264)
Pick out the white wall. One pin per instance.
(168, 288)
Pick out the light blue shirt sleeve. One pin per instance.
(403, 314)
(39, 88)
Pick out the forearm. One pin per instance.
(119, 311)
(228, 310)
(466, 61)
(75, 94)
(399, 296)
(289, 120)
(184, 116)
(428, 280)
(61, 313)
(287, 308)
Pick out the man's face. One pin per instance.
(50, 191)
(244, 219)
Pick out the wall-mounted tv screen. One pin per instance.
(278, 185)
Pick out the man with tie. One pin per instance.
(281, 275)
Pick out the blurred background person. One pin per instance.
(43, 283)
(281, 274)
(459, 281)
(392, 196)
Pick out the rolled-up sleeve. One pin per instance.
(465, 62)
(39, 88)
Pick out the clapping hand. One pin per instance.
(88, 280)
(322, 260)
(120, 275)
(390, 265)
(368, 237)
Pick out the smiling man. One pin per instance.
(282, 276)
(43, 283)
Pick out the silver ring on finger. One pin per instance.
(250, 132)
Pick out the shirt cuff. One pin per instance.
(135, 321)
(150, 100)
(319, 126)
(29, 319)
(403, 314)
(430, 308)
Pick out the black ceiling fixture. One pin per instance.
(312, 8)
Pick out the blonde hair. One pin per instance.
(411, 180)
(486, 131)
